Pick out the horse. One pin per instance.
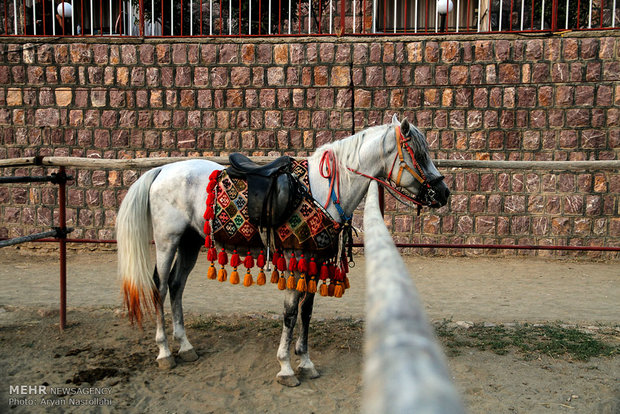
(166, 205)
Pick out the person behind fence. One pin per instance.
(43, 17)
(64, 16)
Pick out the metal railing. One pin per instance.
(171, 18)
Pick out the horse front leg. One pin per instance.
(305, 368)
(286, 376)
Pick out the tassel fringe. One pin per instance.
(261, 279)
(247, 279)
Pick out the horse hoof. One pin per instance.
(189, 355)
(310, 373)
(288, 380)
(166, 363)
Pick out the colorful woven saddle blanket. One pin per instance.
(309, 228)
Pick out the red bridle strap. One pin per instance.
(402, 143)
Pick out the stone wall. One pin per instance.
(499, 98)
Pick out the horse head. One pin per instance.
(412, 171)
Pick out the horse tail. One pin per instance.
(134, 233)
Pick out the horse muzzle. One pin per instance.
(435, 194)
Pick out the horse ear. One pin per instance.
(395, 120)
(404, 127)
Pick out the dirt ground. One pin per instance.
(236, 330)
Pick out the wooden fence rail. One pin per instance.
(404, 369)
(100, 163)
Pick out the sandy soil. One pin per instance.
(235, 331)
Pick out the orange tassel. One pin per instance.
(290, 282)
(324, 290)
(247, 279)
(302, 286)
(281, 283)
(222, 275)
(347, 285)
(275, 276)
(338, 290)
(234, 277)
(261, 279)
(331, 289)
(211, 273)
(312, 285)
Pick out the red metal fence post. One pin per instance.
(62, 245)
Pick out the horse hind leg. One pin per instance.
(286, 376)
(306, 368)
(187, 253)
(165, 359)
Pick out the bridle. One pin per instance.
(426, 195)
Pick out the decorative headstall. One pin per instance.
(309, 228)
(426, 195)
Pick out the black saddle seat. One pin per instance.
(241, 166)
(273, 191)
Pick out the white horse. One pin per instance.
(167, 205)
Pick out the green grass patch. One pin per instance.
(530, 340)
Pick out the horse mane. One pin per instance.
(347, 151)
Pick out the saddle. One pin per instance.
(273, 191)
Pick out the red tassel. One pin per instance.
(281, 264)
(207, 228)
(234, 259)
(211, 186)
(207, 241)
(292, 264)
(209, 215)
(337, 275)
(260, 260)
(248, 262)
(313, 268)
(214, 175)
(210, 199)
(324, 272)
(302, 264)
(222, 258)
(212, 254)
(275, 258)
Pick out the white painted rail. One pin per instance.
(404, 368)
